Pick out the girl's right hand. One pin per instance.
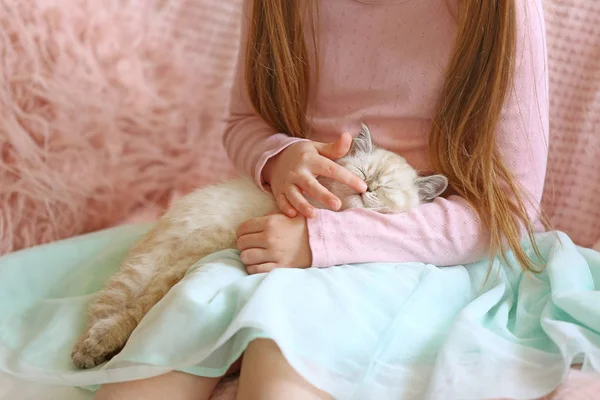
(295, 169)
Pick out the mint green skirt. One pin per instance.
(363, 331)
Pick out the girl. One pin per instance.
(458, 87)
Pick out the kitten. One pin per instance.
(206, 220)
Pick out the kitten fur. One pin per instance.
(206, 220)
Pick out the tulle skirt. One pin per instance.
(362, 331)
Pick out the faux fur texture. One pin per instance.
(107, 107)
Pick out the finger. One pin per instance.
(254, 225)
(255, 256)
(340, 174)
(261, 268)
(337, 149)
(299, 202)
(314, 189)
(251, 241)
(284, 206)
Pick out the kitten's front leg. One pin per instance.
(107, 333)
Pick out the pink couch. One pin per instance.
(110, 108)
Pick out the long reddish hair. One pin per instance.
(462, 141)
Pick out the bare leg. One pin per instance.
(173, 386)
(266, 375)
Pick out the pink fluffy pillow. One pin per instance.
(106, 108)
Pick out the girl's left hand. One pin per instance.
(274, 241)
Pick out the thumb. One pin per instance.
(337, 149)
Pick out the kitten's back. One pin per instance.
(218, 211)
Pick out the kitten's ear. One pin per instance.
(363, 142)
(431, 187)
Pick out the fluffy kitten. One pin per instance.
(206, 220)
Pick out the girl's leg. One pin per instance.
(173, 386)
(266, 375)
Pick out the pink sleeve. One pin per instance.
(249, 140)
(448, 231)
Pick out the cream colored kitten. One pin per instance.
(206, 220)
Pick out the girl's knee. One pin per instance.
(116, 391)
(262, 346)
(266, 375)
(173, 386)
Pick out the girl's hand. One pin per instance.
(295, 169)
(274, 241)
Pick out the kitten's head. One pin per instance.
(393, 185)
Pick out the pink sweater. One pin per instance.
(383, 63)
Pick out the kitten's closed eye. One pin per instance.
(362, 175)
(392, 184)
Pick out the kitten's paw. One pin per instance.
(97, 345)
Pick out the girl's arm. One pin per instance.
(250, 142)
(257, 150)
(448, 231)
